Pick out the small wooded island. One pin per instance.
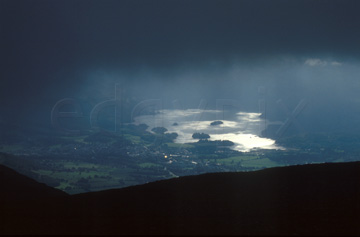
(216, 123)
(200, 136)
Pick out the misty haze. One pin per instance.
(119, 98)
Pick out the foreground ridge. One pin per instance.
(321, 199)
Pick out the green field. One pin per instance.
(74, 176)
(133, 138)
(260, 163)
(247, 161)
(79, 139)
(179, 145)
(10, 148)
(235, 159)
(148, 165)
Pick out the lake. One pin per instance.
(242, 128)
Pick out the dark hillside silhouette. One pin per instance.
(15, 186)
(321, 199)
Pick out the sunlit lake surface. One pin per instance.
(242, 128)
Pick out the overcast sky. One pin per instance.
(160, 33)
(50, 49)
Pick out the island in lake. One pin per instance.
(216, 123)
(200, 136)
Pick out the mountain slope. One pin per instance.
(311, 199)
(15, 186)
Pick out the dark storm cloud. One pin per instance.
(110, 32)
(49, 48)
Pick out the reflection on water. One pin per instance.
(243, 128)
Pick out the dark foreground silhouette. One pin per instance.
(319, 199)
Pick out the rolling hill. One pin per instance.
(15, 186)
(317, 199)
